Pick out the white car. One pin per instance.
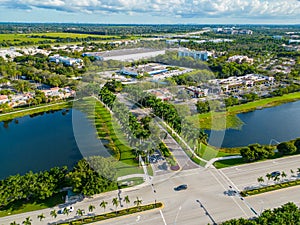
(69, 208)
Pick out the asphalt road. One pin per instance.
(208, 199)
(246, 175)
(204, 185)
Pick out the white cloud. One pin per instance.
(170, 8)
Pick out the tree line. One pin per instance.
(214, 105)
(139, 131)
(89, 176)
(287, 214)
(255, 152)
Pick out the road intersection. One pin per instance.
(207, 199)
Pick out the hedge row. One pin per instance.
(123, 212)
(270, 188)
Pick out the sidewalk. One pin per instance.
(212, 161)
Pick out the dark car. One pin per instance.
(275, 174)
(181, 187)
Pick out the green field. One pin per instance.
(49, 38)
(228, 119)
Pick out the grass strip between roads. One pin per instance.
(270, 188)
(123, 212)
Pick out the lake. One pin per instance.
(47, 140)
(265, 126)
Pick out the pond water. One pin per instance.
(265, 126)
(47, 140)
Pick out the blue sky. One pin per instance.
(151, 11)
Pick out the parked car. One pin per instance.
(69, 208)
(152, 159)
(275, 174)
(181, 187)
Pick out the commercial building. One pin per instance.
(163, 94)
(149, 69)
(66, 60)
(126, 54)
(232, 30)
(291, 41)
(235, 83)
(202, 55)
(196, 92)
(240, 59)
(3, 99)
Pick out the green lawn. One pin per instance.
(228, 119)
(107, 128)
(23, 206)
(228, 162)
(35, 38)
(135, 180)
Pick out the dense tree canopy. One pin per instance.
(287, 214)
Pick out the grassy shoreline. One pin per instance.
(36, 109)
(232, 121)
(108, 129)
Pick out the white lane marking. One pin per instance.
(226, 190)
(221, 172)
(162, 216)
(138, 218)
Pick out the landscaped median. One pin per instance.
(273, 187)
(110, 215)
(169, 156)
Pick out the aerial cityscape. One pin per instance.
(150, 112)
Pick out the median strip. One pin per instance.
(111, 215)
(270, 188)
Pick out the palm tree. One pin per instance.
(283, 175)
(27, 221)
(276, 178)
(66, 211)
(41, 217)
(91, 208)
(292, 172)
(53, 213)
(127, 201)
(14, 223)
(260, 180)
(269, 176)
(137, 202)
(115, 202)
(80, 213)
(103, 204)
(298, 171)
